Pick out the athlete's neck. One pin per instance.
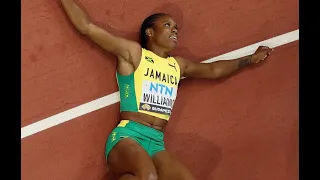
(158, 50)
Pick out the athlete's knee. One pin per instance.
(149, 176)
(152, 176)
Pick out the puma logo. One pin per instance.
(174, 65)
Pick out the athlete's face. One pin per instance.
(164, 33)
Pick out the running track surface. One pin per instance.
(244, 127)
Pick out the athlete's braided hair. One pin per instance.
(148, 23)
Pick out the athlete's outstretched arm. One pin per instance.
(220, 68)
(120, 47)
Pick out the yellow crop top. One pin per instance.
(152, 88)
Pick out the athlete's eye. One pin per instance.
(167, 24)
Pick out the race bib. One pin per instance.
(157, 97)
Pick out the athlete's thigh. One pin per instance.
(128, 157)
(169, 168)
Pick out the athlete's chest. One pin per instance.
(158, 79)
(159, 70)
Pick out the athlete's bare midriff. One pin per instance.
(151, 121)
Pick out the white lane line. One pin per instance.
(69, 114)
(113, 98)
(272, 42)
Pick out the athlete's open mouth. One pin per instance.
(174, 38)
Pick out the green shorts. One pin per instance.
(150, 139)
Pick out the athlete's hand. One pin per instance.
(261, 54)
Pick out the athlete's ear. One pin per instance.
(149, 32)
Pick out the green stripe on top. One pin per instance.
(128, 99)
